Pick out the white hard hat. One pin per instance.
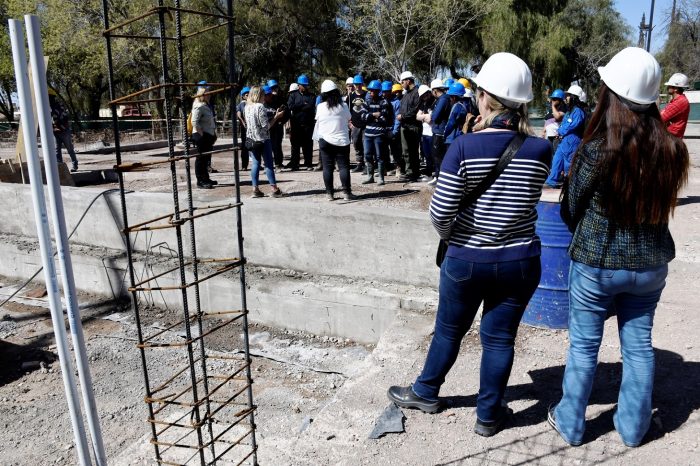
(437, 84)
(507, 77)
(633, 74)
(327, 86)
(423, 89)
(348, 81)
(575, 90)
(293, 87)
(468, 93)
(406, 75)
(677, 80)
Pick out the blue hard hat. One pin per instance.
(272, 83)
(557, 94)
(374, 85)
(449, 82)
(358, 79)
(386, 86)
(245, 90)
(456, 89)
(266, 90)
(303, 80)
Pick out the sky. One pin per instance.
(631, 11)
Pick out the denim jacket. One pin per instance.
(599, 241)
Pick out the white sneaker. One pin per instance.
(432, 182)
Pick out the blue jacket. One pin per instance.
(458, 115)
(396, 104)
(571, 132)
(441, 113)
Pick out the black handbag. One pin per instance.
(481, 188)
(253, 145)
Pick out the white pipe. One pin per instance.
(48, 147)
(42, 226)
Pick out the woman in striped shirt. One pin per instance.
(494, 254)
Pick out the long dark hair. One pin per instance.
(332, 98)
(642, 167)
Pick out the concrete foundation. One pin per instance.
(340, 270)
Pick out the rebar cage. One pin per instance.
(202, 411)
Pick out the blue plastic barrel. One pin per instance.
(549, 306)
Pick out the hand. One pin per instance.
(399, 117)
(377, 114)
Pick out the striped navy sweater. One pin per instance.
(500, 225)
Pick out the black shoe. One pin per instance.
(212, 182)
(213, 170)
(553, 423)
(204, 185)
(490, 428)
(405, 397)
(359, 169)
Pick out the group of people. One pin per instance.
(391, 126)
(623, 182)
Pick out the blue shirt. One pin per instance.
(455, 123)
(441, 113)
(500, 225)
(396, 104)
(377, 126)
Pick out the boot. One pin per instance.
(370, 174)
(380, 174)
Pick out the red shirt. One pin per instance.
(675, 115)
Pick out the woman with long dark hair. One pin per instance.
(622, 188)
(331, 132)
(494, 253)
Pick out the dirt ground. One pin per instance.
(318, 397)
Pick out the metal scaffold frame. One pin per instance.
(203, 413)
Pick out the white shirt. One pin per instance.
(332, 124)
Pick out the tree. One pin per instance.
(681, 53)
(390, 36)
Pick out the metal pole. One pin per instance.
(36, 57)
(42, 225)
(651, 25)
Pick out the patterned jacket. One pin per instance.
(598, 241)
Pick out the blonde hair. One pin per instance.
(255, 95)
(497, 108)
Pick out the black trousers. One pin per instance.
(410, 140)
(439, 150)
(245, 156)
(276, 136)
(357, 138)
(302, 139)
(330, 154)
(205, 144)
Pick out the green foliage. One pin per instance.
(681, 53)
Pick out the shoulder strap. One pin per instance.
(486, 183)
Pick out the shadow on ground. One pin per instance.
(674, 401)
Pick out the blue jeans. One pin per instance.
(634, 295)
(258, 156)
(505, 288)
(375, 148)
(65, 139)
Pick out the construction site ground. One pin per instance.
(318, 397)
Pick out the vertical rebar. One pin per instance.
(178, 229)
(239, 224)
(127, 235)
(190, 209)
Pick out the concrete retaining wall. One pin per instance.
(356, 241)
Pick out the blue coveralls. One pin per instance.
(571, 132)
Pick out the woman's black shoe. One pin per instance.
(490, 428)
(405, 397)
(204, 185)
